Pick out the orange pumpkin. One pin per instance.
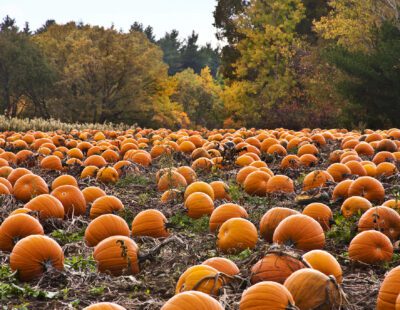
(91, 193)
(34, 255)
(48, 206)
(199, 186)
(221, 190)
(105, 205)
(324, 262)
(64, 180)
(371, 247)
(317, 178)
(271, 220)
(321, 213)
(105, 226)
(236, 235)
(104, 306)
(301, 231)
(29, 186)
(382, 219)
(117, 255)
(151, 223)
(201, 278)
(267, 295)
(256, 183)
(199, 204)
(107, 175)
(72, 199)
(389, 290)
(225, 212)
(223, 265)
(368, 188)
(192, 300)
(280, 183)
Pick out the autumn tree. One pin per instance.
(106, 75)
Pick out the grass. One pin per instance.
(133, 179)
(182, 221)
(63, 237)
(343, 231)
(240, 256)
(81, 262)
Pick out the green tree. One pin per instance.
(171, 45)
(25, 75)
(373, 78)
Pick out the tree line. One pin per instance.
(285, 63)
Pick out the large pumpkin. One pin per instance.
(199, 204)
(34, 255)
(151, 223)
(280, 183)
(17, 227)
(47, 205)
(389, 290)
(324, 262)
(256, 183)
(383, 219)
(117, 255)
(311, 289)
(236, 235)
(300, 231)
(368, 188)
(271, 220)
(275, 267)
(29, 186)
(72, 199)
(355, 205)
(371, 247)
(105, 226)
(267, 295)
(64, 180)
(105, 205)
(201, 278)
(192, 300)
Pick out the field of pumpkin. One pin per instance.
(210, 219)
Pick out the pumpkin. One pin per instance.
(267, 295)
(308, 160)
(243, 173)
(256, 183)
(339, 172)
(223, 265)
(368, 188)
(236, 235)
(121, 166)
(7, 184)
(371, 247)
(389, 290)
(199, 204)
(311, 289)
(107, 175)
(317, 178)
(89, 172)
(290, 162)
(72, 199)
(383, 156)
(386, 169)
(383, 219)
(64, 180)
(151, 223)
(275, 267)
(221, 190)
(34, 255)
(48, 206)
(188, 173)
(271, 220)
(355, 205)
(199, 186)
(104, 226)
(225, 212)
(95, 160)
(321, 213)
(5, 171)
(16, 227)
(171, 179)
(301, 231)
(117, 255)
(104, 205)
(110, 156)
(307, 149)
(392, 203)
(91, 193)
(324, 262)
(201, 278)
(104, 306)
(29, 186)
(341, 190)
(280, 183)
(192, 300)
(16, 174)
(170, 196)
(202, 164)
(51, 162)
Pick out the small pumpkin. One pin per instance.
(368, 188)
(72, 199)
(29, 186)
(64, 180)
(199, 186)
(91, 193)
(104, 306)
(199, 204)
(355, 205)
(107, 175)
(221, 190)
(317, 178)
(223, 265)
(383, 219)
(271, 220)
(105, 205)
(47, 205)
(321, 213)
(256, 183)
(324, 262)
(201, 278)
(280, 183)
(225, 212)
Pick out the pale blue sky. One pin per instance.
(163, 15)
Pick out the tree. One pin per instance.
(373, 78)
(106, 75)
(225, 14)
(171, 46)
(24, 72)
(46, 26)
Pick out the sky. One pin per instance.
(163, 15)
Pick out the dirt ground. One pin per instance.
(190, 243)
